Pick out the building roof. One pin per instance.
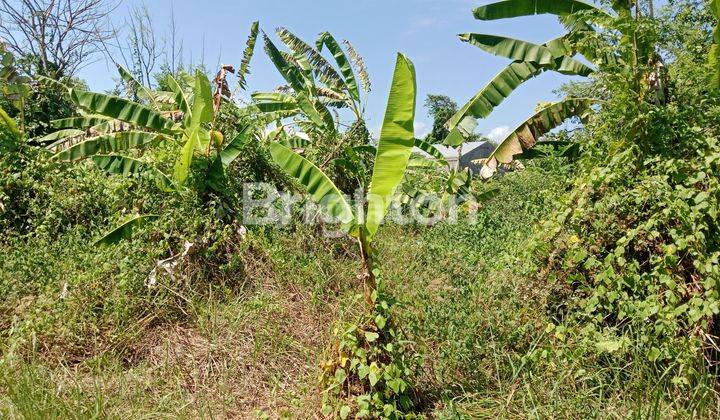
(451, 152)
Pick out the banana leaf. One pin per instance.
(295, 142)
(527, 135)
(315, 111)
(142, 90)
(505, 82)
(121, 109)
(244, 68)
(125, 230)
(714, 55)
(397, 139)
(289, 72)
(275, 101)
(181, 99)
(541, 55)
(126, 166)
(515, 8)
(430, 150)
(107, 144)
(79, 122)
(342, 61)
(322, 68)
(181, 171)
(318, 185)
(60, 135)
(461, 132)
(9, 124)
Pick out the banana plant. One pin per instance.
(528, 134)
(391, 160)
(316, 90)
(112, 126)
(529, 60)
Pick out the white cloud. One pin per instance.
(498, 133)
(422, 129)
(420, 24)
(425, 22)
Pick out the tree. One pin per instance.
(441, 108)
(55, 37)
(142, 49)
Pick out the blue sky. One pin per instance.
(425, 30)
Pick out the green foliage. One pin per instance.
(320, 187)
(121, 109)
(244, 68)
(632, 250)
(515, 8)
(125, 230)
(397, 139)
(371, 373)
(441, 108)
(529, 133)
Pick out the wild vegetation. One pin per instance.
(576, 275)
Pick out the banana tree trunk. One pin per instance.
(366, 275)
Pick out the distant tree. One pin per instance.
(441, 108)
(55, 37)
(140, 50)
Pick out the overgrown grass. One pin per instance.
(242, 329)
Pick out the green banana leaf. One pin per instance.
(342, 61)
(195, 136)
(461, 132)
(430, 150)
(232, 150)
(275, 101)
(397, 139)
(60, 135)
(318, 185)
(127, 166)
(515, 8)
(542, 55)
(9, 124)
(106, 144)
(505, 82)
(315, 111)
(529, 133)
(295, 142)
(143, 91)
(181, 100)
(181, 171)
(289, 72)
(322, 68)
(125, 230)
(79, 122)
(202, 111)
(302, 63)
(121, 109)
(244, 69)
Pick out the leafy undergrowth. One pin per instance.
(242, 328)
